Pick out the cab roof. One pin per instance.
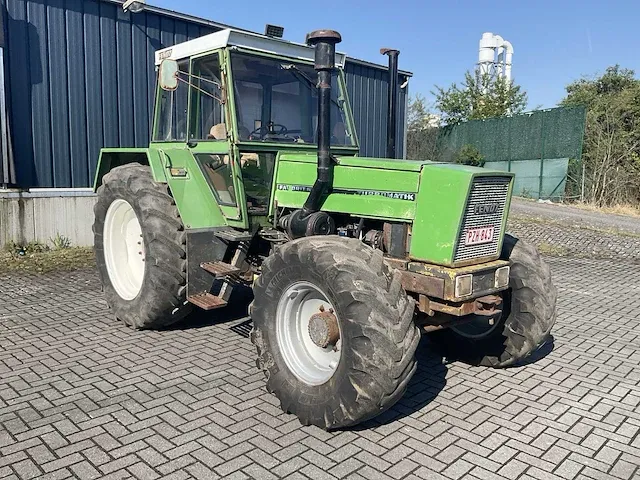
(246, 40)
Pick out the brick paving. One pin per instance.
(81, 396)
(577, 241)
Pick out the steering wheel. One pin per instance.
(270, 129)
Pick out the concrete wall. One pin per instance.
(39, 215)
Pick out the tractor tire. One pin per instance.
(529, 312)
(140, 249)
(377, 341)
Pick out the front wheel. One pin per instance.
(139, 242)
(334, 331)
(529, 312)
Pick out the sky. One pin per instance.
(555, 42)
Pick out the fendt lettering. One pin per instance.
(486, 208)
(252, 179)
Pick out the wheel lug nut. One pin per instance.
(321, 308)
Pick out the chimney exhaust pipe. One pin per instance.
(309, 220)
(325, 57)
(392, 124)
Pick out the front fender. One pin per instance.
(114, 157)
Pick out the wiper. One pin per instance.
(299, 73)
(290, 67)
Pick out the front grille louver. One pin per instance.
(483, 191)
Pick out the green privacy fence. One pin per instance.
(538, 147)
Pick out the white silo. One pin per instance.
(495, 56)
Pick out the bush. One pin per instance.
(470, 155)
(60, 241)
(15, 248)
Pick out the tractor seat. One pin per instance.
(218, 132)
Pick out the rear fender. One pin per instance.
(111, 158)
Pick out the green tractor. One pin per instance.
(252, 178)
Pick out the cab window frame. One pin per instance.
(339, 87)
(157, 120)
(194, 92)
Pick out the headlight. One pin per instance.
(502, 277)
(464, 285)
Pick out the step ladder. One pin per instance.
(221, 271)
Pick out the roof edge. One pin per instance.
(223, 26)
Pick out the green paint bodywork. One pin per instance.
(442, 200)
(430, 197)
(351, 173)
(436, 213)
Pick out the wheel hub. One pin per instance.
(308, 333)
(323, 328)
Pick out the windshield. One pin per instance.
(276, 101)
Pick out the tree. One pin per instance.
(422, 130)
(419, 116)
(611, 150)
(480, 96)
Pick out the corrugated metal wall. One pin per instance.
(80, 76)
(368, 94)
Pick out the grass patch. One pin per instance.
(623, 209)
(36, 260)
(552, 250)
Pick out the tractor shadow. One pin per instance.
(425, 385)
(546, 348)
(430, 380)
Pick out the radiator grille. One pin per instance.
(484, 191)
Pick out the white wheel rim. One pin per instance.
(124, 249)
(309, 362)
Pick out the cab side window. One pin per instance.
(171, 111)
(219, 174)
(207, 108)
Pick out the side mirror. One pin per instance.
(168, 74)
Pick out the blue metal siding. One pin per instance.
(80, 76)
(18, 75)
(368, 93)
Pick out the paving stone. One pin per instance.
(81, 396)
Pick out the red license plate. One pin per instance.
(476, 236)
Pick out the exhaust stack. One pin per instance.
(325, 57)
(309, 220)
(393, 100)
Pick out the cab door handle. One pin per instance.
(164, 158)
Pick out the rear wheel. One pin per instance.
(334, 331)
(529, 312)
(139, 242)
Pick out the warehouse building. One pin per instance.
(78, 76)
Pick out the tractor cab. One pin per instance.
(231, 102)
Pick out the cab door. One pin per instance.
(190, 139)
(209, 140)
